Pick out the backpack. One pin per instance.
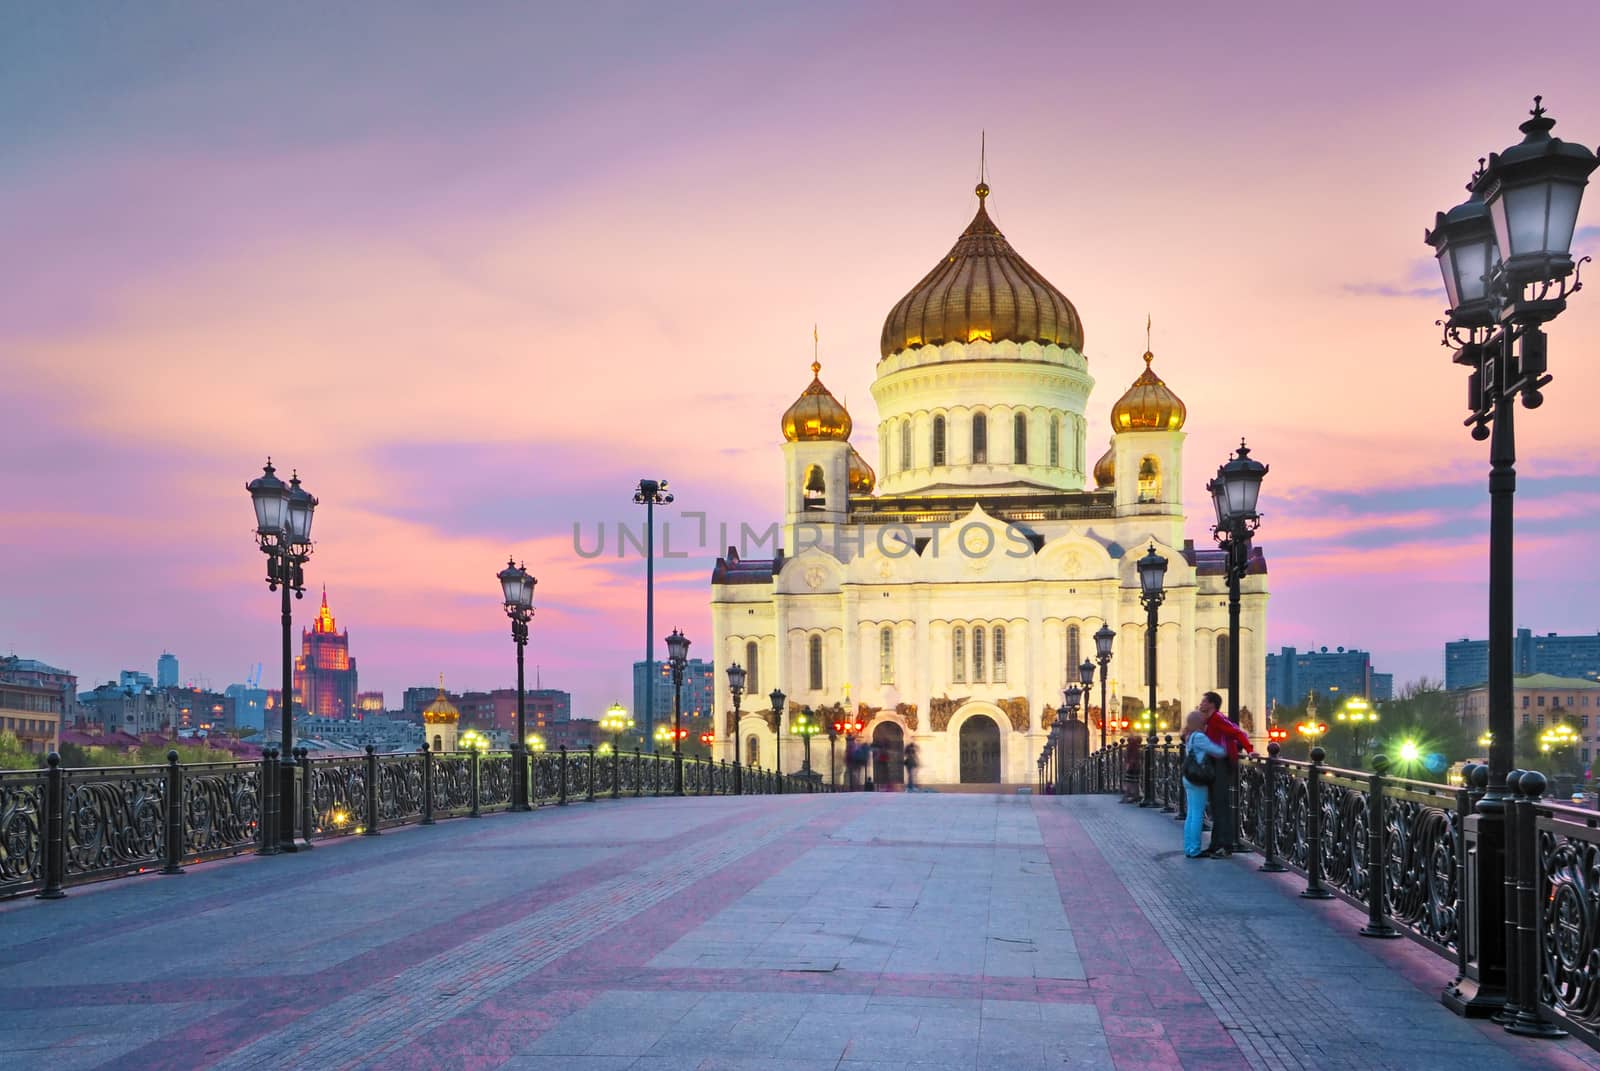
(1198, 771)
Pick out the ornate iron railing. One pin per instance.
(61, 827)
(1564, 892)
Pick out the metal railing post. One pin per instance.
(372, 793)
(173, 834)
(1377, 870)
(308, 802)
(561, 796)
(269, 803)
(427, 786)
(1523, 857)
(1170, 789)
(55, 832)
(1269, 810)
(589, 795)
(1315, 889)
(477, 808)
(638, 773)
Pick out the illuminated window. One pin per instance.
(1149, 480)
(886, 656)
(999, 654)
(905, 444)
(816, 663)
(752, 675)
(938, 440)
(1019, 438)
(752, 750)
(977, 653)
(958, 655)
(980, 438)
(816, 488)
(1055, 441)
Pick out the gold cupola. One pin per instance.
(982, 290)
(862, 478)
(1105, 470)
(1148, 405)
(441, 711)
(816, 416)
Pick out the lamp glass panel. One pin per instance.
(1449, 265)
(510, 585)
(300, 507)
(1219, 501)
(527, 590)
(1502, 233)
(270, 509)
(1103, 639)
(1526, 208)
(1564, 199)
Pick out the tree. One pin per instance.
(12, 755)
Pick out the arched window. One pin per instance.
(1222, 660)
(905, 445)
(977, 652)
(886, 655)
(1019, 438)
(752, 750)
(999, 654)
(1074, 656)
(938, 440)
(980, 438)
(815, 652)
(958, 655)
(752, 672)
(438, 742)
(1055, 441)
(1149, 480)
(816, 489)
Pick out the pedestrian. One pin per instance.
(1132, 766)
(1222, 731)
(855, 758)
(880, 768)
(911, 767)
(1200, 762)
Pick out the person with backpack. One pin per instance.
(1232, 739)
(1201, 762)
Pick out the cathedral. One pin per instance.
(948, 597)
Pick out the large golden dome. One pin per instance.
(1148, 405)
(816, 414)
(862, 478)
(1105, 470)
(982, 290)
(441, 710)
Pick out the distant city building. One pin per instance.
(249, 706)
(478, 709)
(36, 674)
(417, 700)
(199, 709)
(167, 670)
(369, 703)
(699, 691)
(1466, 662)
(383, 733)
(34, 714)
(325, 674)
(1293, 675)
(133, 680)
(1539, 700)
(130, 709)
(1382, 687)
(576, 734)
(547, 706)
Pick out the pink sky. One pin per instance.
(475, 275)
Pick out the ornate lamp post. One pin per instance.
(650, 494)
(517, 588)
(806, 726)
(777, 699)
(1085, 683)
(1152, 571)
(1359, 715)
(283, 531)
(616, 722)
(736, 675)
(1505, 255)
(1103, 638)
(678, 659)
(1070, 698)
(1233, 494)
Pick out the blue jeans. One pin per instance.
(1194, 821)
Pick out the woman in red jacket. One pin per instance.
(1219, 730)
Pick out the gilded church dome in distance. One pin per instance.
(1148, 405)
(441, 710)
(982, 290)
(862, 478)
(816, 415)
(1105, 470)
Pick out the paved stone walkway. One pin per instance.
(864, 932)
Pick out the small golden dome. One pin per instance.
(1148, 405)
(982, 290)
(862, 478)
(441, 710)
(816, 415)
(1105, 470)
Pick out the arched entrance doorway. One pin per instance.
(980, 751)
(752, 750)
(888, 754)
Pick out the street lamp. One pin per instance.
(1071, 696)
(1152, 570)
(516, 586)
(650, 494)
(1505, 257)
(616, 722)
(806, 727)
(678, 659)
(535, 743)
(283, 531)
(777, 699)
(472, 740)
(1358, 714)
(736, 674)
(1103, 638)
(1233, 495)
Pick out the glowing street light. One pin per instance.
(616, 722)
(472, 740)
(535, 742)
